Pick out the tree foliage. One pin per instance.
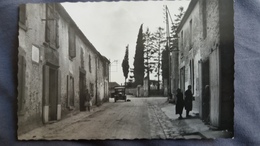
(159, 45)
(175, 25)
(165, 63)
(125, 63)
(149, 52)
(154, 45)
(139, 58)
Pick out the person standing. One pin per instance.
(87, 99)
(188, 100)
(179, 103)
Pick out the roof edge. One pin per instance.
(187, 14)
(65, 15)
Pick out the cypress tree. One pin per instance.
(125, 64)
(139, 58)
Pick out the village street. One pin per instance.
(143, 118)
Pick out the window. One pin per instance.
(72, 44)
(104, 69)
(191, 34)
(182, 78)
(89, 63)
(204, 18)
(181, 39)
(192, 74)
(52, 26)
(82, 57)
(22, 14)
(182, 42)
(97, 61)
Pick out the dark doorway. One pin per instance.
(82, 88)
(53, 93)
(205, 96)
(182, 79)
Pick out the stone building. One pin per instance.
(205, 56)
(56, 64)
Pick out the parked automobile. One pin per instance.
(119, 93)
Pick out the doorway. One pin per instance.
(182, 79)
(53, 93)
(82, 88)
(205, 81)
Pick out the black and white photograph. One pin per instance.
(126, 70)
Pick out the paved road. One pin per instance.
(139, 118)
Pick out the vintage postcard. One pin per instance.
(126, 70)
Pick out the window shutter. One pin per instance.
(71, 91)
(47, 28)
(72, 46)
(22, 14)
(68, 87)
(89, 64)
(57, 34)
(53, 31)
(70, 42)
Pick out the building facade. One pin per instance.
(205, 56)
(56, 65)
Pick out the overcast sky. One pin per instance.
(111, 26)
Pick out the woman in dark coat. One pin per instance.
(179, 103)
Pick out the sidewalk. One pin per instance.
(44, 131)
(193, 126)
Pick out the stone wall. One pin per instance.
(212, 41)
(35, 54)
(30, 35)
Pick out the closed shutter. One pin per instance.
(22, 14)
(72, 46)
(47, 26)
(52, 25)
(68, 88)
(72, 91)
(57, 34)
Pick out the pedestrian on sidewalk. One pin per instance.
(179, 103)
(188, 101)
(88, 100)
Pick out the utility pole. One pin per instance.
(148, 71)
(168, 79)
(148, 48)
(159, 59)
(167, 14)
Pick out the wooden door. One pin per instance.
(53, 94)
(82, 87)
(205, 81)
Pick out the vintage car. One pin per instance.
(119, 93)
